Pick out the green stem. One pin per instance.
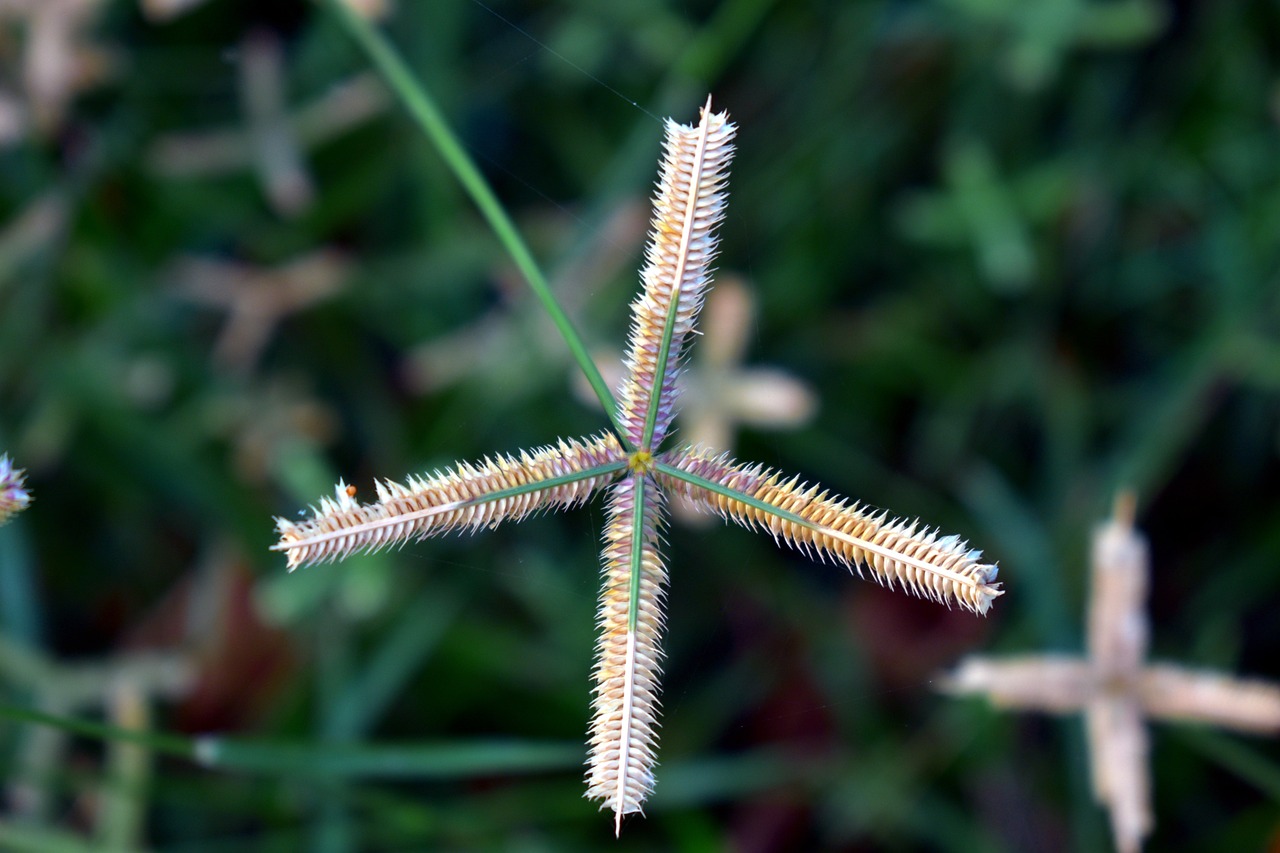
(158, 742)
(415, 98)
(549, 483)
(637, 551)
(391, 760)
(386, 760)
(1239, 758)
(732, 494)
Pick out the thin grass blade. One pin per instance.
(413, 94)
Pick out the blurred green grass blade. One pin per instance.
(718, 41)
(158, 741)
(1240, 759)
(1020, 535)
(415, 98)
(384, 673)
(451, 760)
(331, 825)
(1176, 410)
(726, 777)
(19, 838)
(20, 609)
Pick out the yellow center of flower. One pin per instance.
(641, 462)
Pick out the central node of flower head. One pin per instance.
(641, 462)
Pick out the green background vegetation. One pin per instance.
(1025, 253)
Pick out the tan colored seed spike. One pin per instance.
(462, 497)
(624, 724)
(942, 568)
(1244, 704)
(687, 208)
(1117, 643)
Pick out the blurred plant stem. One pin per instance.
(454, 759)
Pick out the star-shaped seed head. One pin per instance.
(641, 477)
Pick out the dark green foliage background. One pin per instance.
(1026, 253)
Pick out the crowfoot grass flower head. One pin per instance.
(639, 476)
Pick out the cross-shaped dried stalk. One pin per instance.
(210, 153)
(1114, 689)
(257, 299)
(58, 61)
(722, 392)
(121, 683)
(689, 205)
(507, 334)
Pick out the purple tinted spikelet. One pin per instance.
(623, 738)
(469, 496)
(687, 208)
(14, 497)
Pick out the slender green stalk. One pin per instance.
(382, 674)
(550, 482)
(392, 761)
(664, 355)
(732, 494)
(388, 760)
(637, 551)
(415, 98)
(156, 741)
(1243, 760)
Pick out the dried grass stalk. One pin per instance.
(1056, 684)
(1118, 629)
(1118, 745)
(1175, 692)
(1115, 687)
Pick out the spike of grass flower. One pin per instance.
(639, 476)
(14, 498)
